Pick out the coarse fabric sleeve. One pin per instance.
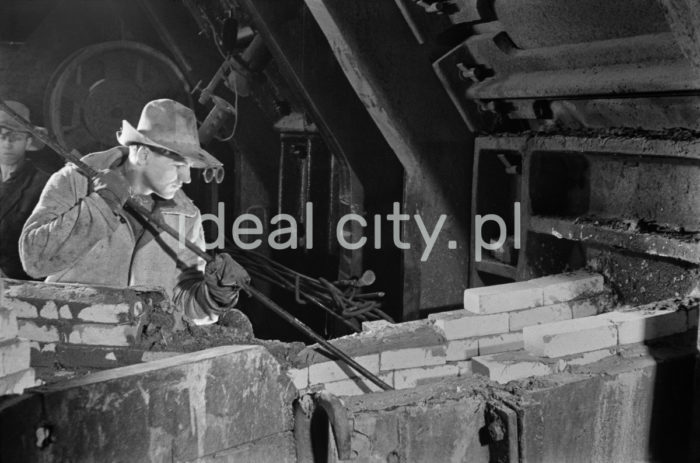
(191, 293)
(67, 222)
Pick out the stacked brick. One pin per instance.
(554, 347)
(68, 324)
(494, 316)
(402, 355)
(408, 354)
(15, 372)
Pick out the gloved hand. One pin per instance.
(224, 277)
(113, 188)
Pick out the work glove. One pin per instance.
(224, 278)
(113, 188)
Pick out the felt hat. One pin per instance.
(10, 123)
(169, 125)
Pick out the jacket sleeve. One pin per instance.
(190, 293)
(67, 222)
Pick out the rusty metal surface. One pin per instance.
(626, 206)
(502, 429)
(646, 113)
(544, 23)
(654, 144)
(684, 19)
(619, 79)
(574, 69)
(333, 413)
(338, 418)
(687, 249)
(576, 52)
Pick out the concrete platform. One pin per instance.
(231, 400)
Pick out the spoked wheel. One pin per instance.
(97, 87)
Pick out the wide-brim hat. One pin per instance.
(169, 125)
(10, 123)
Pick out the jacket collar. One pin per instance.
(180, 204)
(20, 170)
(21, 180)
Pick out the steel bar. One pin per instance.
(309, 332)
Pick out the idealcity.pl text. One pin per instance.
(285, 234)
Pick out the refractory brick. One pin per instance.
(643, 325)
(358, 386)
(412, 377)
(502, 369)
(502, 298)
(570, 337)
(412, 357)
(462, 349)
(299, 376)
(14, 356)
(102, 334)
(8, 324)
(17, 382)
(461, 324)
(569, 286)
(34, 332)
(546, 314)
(21, 309)
(104, 313)
(505, 342)
(335, 371)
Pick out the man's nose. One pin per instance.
(184, 175)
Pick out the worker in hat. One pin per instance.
(20, 187)
(80, 233)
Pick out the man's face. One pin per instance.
(13, 146)
(165, 175)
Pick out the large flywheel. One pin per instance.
(97, 87)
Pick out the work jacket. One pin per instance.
(74, 237)
(18, 196)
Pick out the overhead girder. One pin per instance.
(393, 77)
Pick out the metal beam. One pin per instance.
(394, 79)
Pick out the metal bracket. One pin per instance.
(510, 168)
(305, 409)
(502, 433)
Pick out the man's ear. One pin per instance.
(141, 155)
(28, 142)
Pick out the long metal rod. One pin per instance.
(160, 225)
(409, 20)
(312, 334)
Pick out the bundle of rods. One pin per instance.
(343, 300)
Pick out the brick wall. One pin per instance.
(560, 345)
(80, 326)
(505, 332)
(15, 372)
(405, 355)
